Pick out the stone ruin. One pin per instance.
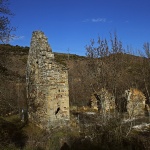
(135, 102)
(47, 85)
(105, 102)
(102, 101)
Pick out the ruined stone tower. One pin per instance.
(47, 85)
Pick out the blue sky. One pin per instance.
(71, 24)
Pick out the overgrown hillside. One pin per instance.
(86, 75)
(13, 60)
(12, 78)
(116, 72)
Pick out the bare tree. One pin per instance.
(97, 66)
(146, 47)
(97, 49)
(5, 27)
(146, 69)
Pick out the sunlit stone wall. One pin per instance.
(47, 85)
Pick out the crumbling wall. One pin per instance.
(103, 100)
(47, 84)
(135, 102)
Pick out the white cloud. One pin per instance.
(14, 38)
(18, 37)
(102, 20)
(99, 20)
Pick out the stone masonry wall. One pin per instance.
(47, 85)
(103, 101)
(135, 102)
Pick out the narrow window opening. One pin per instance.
(58, 109)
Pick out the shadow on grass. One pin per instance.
(11, 133)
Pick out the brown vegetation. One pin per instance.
(116, 72)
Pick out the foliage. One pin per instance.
(106, 136)
(111, 135)
(63, 58)
(112, 68)
(115, 71)
(16, 50)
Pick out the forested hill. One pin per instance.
(116, 72)
(13, 60)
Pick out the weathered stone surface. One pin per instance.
(135, 102)
(103, 100)
(47, 84)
